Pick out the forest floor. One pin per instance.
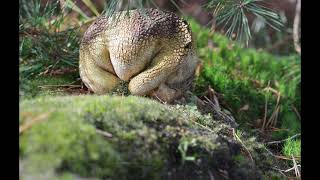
(241, 120)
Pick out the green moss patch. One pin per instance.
(149, 140)
(242, 77)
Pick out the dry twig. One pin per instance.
(281, 157)
(210, 175)
(62, 85)
(272, 121)
(104, 133)
(290, 169)
(297, 113)
(205, 127)
(237, 137)
(218, 113)
(33, 121)
(277, 142)
(296, 170)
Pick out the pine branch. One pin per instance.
(233, 15)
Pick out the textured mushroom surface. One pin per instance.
(152, 50)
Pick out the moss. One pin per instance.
(292, 148)
(240, 75)
(52, 141)
(240, 159)
(149, 140)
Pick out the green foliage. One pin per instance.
(241, 76)
(48, 51)
(292, 148)
(33, 14)
(233, 16)
(43, 45)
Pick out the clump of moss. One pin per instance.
(240, 75)
(62, 142)
(149, 140)
(292, 148)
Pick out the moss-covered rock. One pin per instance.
(146, 140)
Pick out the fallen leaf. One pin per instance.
(244, 108)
